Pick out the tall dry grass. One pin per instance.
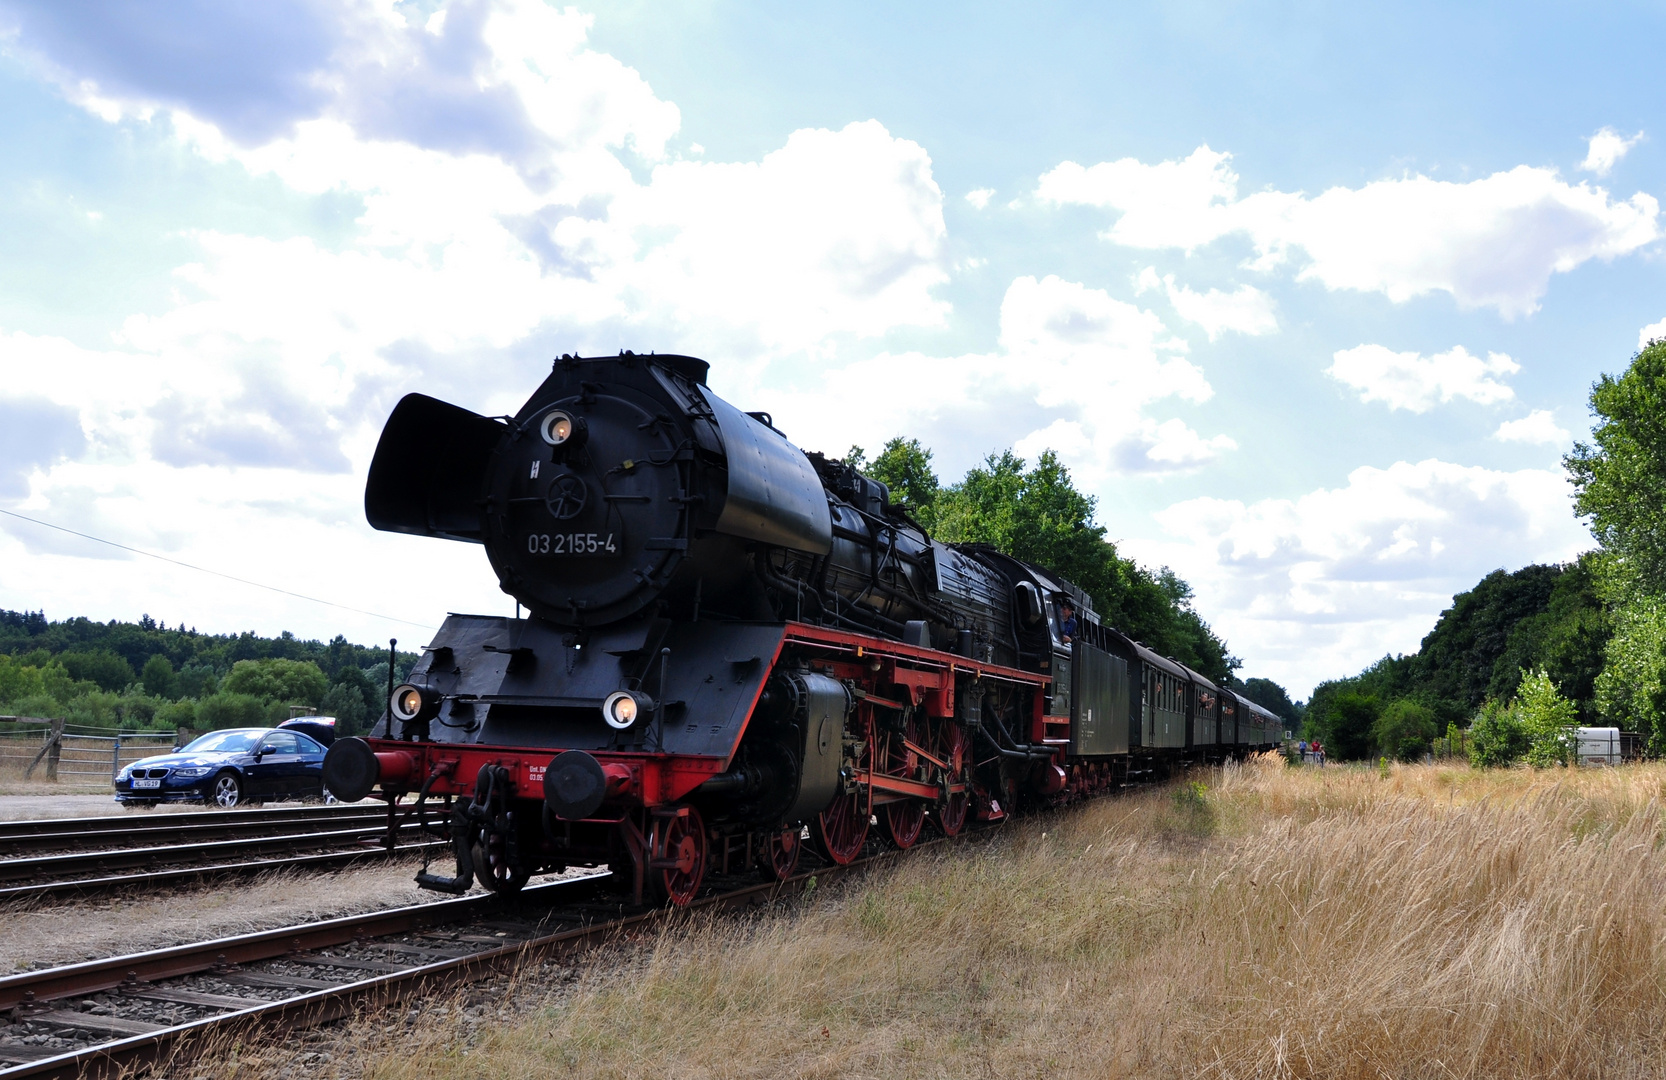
(1284, 922)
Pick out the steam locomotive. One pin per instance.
(732, 648)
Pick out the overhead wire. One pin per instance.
(206, 570)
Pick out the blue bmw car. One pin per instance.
(228, 768)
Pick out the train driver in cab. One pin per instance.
(1067, 619)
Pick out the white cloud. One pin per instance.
(1319, 586)
(1077, 371)
(1491, 242)
(1651, 332)
(1607, 147)
(1245, 310)
(1408, 380)
(980, 197)
(1538, 426)
(541, 214)
(1183, 204)
(462, 251)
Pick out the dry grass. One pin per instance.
(12, 782)
(1290, 922)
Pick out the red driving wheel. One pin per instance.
(780, 855)
(904, 818)
(685, 845)
(952, 808)
(844, 827)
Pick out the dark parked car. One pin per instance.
(321, 729)
(228, 768)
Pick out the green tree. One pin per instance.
(1404, 730)
(1632, 687)
(198, 680)
(1620, 477)
(294, 682)
(904, 466)
(158, 677)
(1620, 484)
(346, 704)
(232, 710)
(1341, 716)
(17, 679)
(1457, 661)
(1547, 718)
(100, 666)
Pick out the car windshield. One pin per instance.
(225, 741)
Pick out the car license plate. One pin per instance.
(147, 783)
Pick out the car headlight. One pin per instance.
(194, 770)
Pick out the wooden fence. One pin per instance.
(53, 750)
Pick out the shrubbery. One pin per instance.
(1537, 724)
(131, 676)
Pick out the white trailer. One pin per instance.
(1598, 745)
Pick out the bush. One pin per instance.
(17, 679)
(346, 704)
(1404, 730)
(296, 682)
(177, 714)
(1496, 738)
(103, 667)
(42, 706)
(1548, 718)
(231, 710)
(197, 681)
(159, 678)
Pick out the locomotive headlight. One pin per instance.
(413, 703)
(561, 429)
(625, 707)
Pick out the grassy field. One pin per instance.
(1423, 922)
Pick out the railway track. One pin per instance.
(107, 1017)
(94, 854)
(68, 834)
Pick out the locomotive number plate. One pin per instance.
(572, 544)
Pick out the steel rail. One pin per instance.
(199, 872)
(54, 834)
(119, 1057)
(152, 858)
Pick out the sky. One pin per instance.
(1309, 296)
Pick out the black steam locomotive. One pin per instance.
(731, 647)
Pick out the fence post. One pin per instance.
(115, 757)
(49, 750)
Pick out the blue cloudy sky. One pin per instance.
(1309, 296)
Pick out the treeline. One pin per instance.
(1539, 618)
(147, 675)
(1522, 657)
(1036, 514)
